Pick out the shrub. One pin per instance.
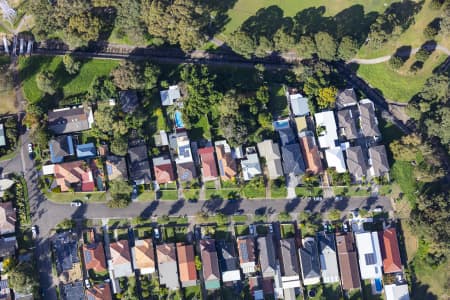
(430, 31)
(422, 55)
(396, 62)
(436, 4)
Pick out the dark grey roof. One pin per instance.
(73, 291)
(117, 161)
(346, 98)
(368, 119)
(288, 259)
(355, 162)
(287, 136)
(228, 260)
(347, 124)
(267, 258)
(69, 120)
(293, 159)
(8, 246)
(60, 147)
(186, 171)
(378, 160)
(139, 167)
(309, 258)
(66, 251)
(129, 100)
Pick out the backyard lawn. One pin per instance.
(277, 101)
(7, 94)
(192, 292)
(70, 85)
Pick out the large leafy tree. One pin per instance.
(45, 82)
(130, 75)
(325, 45)
(21, 278)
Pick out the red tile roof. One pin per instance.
(227, 161)
(311, 154)
(164, 173)
(186, 262)
(348, 262)
(74, 173)
(390, 252)
(94, 257)
(209, 166)
(99, 292)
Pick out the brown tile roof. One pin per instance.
(209, 259)
(99, 292)
(94, 257)
(311, 154)
(389, 251)
(348, 261)
(7, 218)
(165, 253)
(186, 262)
(145, 254)
(246, 248)
(120, 252)
(74, 173)
(209, 167)
(227, 164)
(163, 169)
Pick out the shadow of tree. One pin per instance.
(266, 22)
(292, 204)
(148, 211)
(176, 207)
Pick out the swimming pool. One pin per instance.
(281, 124)
(378, 285)
(178, 120)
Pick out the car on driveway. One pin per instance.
(34, 231)
(76, 203)
(156, 233)
(271, 228)
(30, 150)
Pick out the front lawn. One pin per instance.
(168, 195)
(287, 231)
(191, 194)
(164, 220)
(146, 196)
(241, 230)
(174, 234)
(143, 232)
(225, 194)
(301, 191)
(278, 191)
(350, 191)
(254, 189)
(68, 197)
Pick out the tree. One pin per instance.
(72, 66)
(119, 146)
(44, 82)
(430, 31)
(423, 54)
(306, 47)
(347, 48)
(102, 89)
(436, 4)
(327, 97)
(198, 263)
(406, 148)
(40, 137)
(396, 62)
(120, 192)
(129, 75)
(21, 278)
(325, 45)
(84, 26)
(241, 42)
(334, 215)
(129, 22)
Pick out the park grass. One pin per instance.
(69, 197)
(169, 195)
(69, 85)
(430, 280)
(243, 9)
(399, 85)
(403, 174)
(413, 36)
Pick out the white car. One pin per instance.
(34, 232)
(30, 148)
(76, 203)
(156, 233)
(87, 283)
(271, 228)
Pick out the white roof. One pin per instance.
(335, 159)
(396, 292)
(369, 255)
(170, 95)
(48, 169)
(234, 275)
(328, 136)
(251, 166)
(299, 105)
(184, 150)
(2, 136)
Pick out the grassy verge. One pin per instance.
(352, 191)
(115, 223)
(172, 220)
(222, 194)
(241, 230)
(239, 219)
(69, 197)
(168, 195)
(301, 191)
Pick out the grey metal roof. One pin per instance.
(368, 119)
(378, 160)
(299, 105)
(228, 260)
(8, 246)
(346, 98)
(288, 260)
(267, 258)
(355, 162)
(73, 291)
(167, 266)
(2, 135)
(287, 135)
(347, 124)
(68, 120)
(293, 159)
(139, 166)
(328, 259)
(309, 259)
(129, 100)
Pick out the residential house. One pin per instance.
(267, 256)
(390, 251)
(368, 119)
(210, 264)
(8, 246)
(67, 120)
(208, 163)
(227, 164)
(356, 163)
(301, 124)
(348, 261)
(247, 258)
(94, 257)
(369, 254)
(309, 261)
(74, 175)
(5, 184)
(170, 95)
(335, 159)
(228, 261)
(186, 264)
(256, 287)
(7, 218)
(86, 150)
(346, 98)
(327, 254)
(100, 291)
(73, 291)
(310, 153)
(5, 291)
(271, 153)
(2, 135)
(378, 162)
(129, 101)
(65, 246)
(347, 124)
(290, 150)
(144, 256)
(60, 147)
(396, 292)
(163, 168)
(290, 270)
(250, 165)
(184, 161)
(120, 263)
(161, 139)
(326, 129)
(138, 165)
(299, 105)
(116, 167)
(167, 266)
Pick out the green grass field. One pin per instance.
(69, 85)
(399, 85)
(243, 9)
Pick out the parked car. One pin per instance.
(239, 212)
(30, 151)
(87, 283)
(251, 229)
(345, 227)
(76, 203)
(134, 193)
(156, 233)
(378, 210)
(338, 198)
(271, 228)
(34, 231)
